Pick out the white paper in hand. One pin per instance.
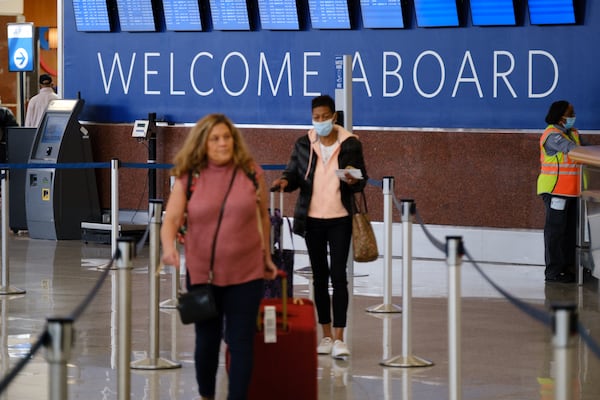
(355, 173)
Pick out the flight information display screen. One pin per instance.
(382, 13)
(91, 15)
(182, 15)
(543, 12)
(136, 15)
(278, 14)
(432, 13)
(493, 12)
(229, 15)
(329, 14)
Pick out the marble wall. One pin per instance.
(479, 179)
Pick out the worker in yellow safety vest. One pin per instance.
(558, 184)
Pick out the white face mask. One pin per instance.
(323, 128)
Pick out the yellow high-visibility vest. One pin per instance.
(559, 174)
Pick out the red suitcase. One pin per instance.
(286, 369)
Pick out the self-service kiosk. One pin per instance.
(59, 199)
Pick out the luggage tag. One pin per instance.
(270, 321)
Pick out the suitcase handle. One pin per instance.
(284, 300)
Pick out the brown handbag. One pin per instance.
(364, 245)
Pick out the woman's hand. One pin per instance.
(279, 185)
(171, 257)
(270, 269)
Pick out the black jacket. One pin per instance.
(350, 155)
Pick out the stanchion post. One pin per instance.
(114, 204)
(387, 306)
(124, 266)
(407, 359)
(582, 246)
(5, 287)
(153, 361)
(564, 329)
(58, 351)
(454, 253)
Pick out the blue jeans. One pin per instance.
(335, 233)
(238, 307)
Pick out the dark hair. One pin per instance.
(45, 79)
(324, 100)
(556, 111)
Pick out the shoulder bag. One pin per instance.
(364, 245)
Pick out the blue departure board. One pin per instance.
(431, 13)
(182, 15)
(493, 12)
(551, 12)
(382, 13)
(329, 14)
(229, 15)
(278, 14)
(91, 15)
(136, 15)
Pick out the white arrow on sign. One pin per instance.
(20, 58)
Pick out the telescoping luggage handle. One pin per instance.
(272, 212)
(284, 299)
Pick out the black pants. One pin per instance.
(560, 235)
(335, 233)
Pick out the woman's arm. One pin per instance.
(172, 220)
(265, 221)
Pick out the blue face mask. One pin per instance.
(570, 122)
(323, 128)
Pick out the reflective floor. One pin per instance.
(504, 353)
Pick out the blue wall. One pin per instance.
(411, 77)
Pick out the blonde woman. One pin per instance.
(224, 177)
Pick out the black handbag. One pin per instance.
(198, 303)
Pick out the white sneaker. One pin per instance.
(340, 349)
(325, 346)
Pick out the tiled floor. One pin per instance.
(505, 354)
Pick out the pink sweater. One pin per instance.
(238, 255)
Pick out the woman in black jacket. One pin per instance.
(323, 213)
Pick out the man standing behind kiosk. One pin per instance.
(38, 103)
(558, 184)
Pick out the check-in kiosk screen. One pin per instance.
(49, 136)
(53, 128)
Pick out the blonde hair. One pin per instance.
(193, 154)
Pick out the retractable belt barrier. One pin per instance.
(58, 335)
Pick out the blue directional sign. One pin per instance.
(20, 47)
